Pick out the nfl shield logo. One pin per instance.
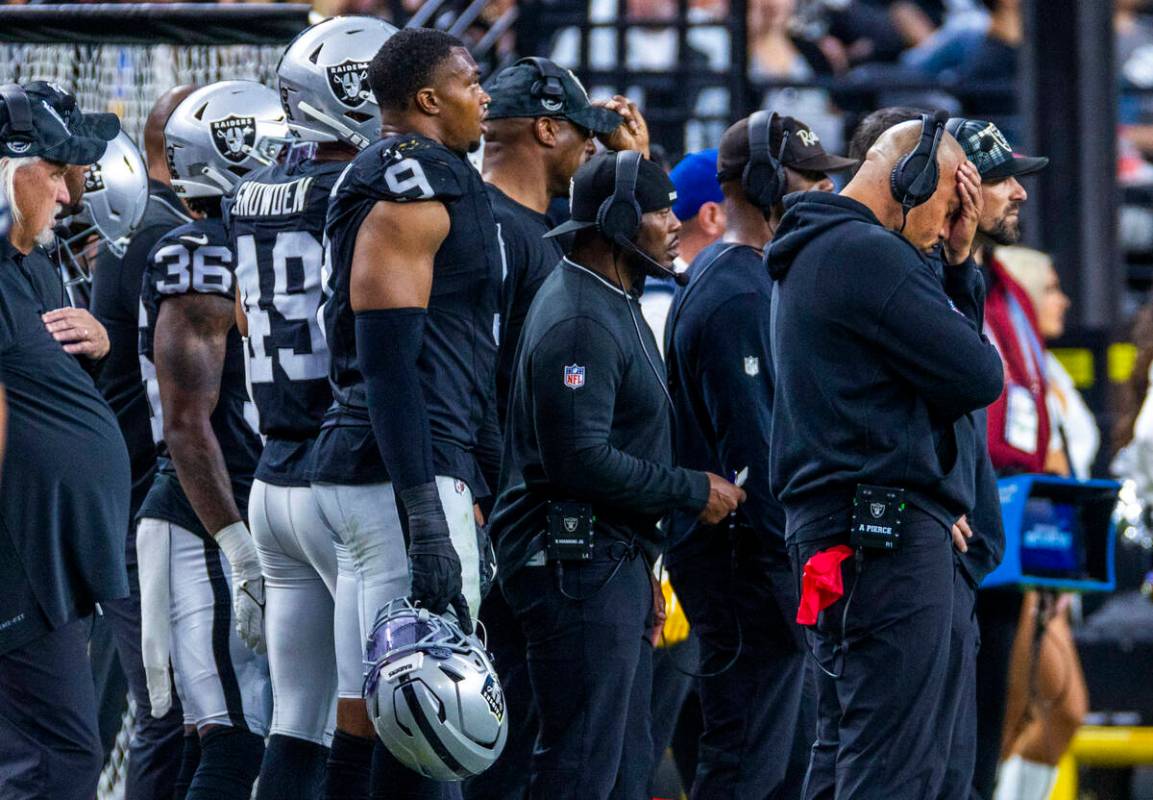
(877, 510)
(93, 179)
(234, 137)
(752, 366)
(574, 376)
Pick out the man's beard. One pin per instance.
(1005, 232)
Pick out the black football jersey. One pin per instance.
(197, 258)
(457, 362)
(276, 221)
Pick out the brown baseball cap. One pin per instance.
(803, 149)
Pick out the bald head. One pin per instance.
(872, 187)
(900, 140)
(154, 131)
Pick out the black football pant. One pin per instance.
(49, 744)
(888, 720)
(740, 596)
(590, 664)
(157, 744)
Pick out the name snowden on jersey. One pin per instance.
(271, 199)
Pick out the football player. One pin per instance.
(416, 271)
(192, 540)
(276, 220)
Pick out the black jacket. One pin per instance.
(588, 420)
(874, 364)
(720, 378)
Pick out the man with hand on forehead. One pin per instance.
(875, 361)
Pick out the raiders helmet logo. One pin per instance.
(234, 137)
(494, 697)
(877, 510)
(348, 82)
(93, 179)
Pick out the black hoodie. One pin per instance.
(874, 364)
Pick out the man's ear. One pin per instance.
(546, 130)
(712, 218)
(426, 100)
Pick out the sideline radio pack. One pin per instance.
(569, 536)
(878, 516)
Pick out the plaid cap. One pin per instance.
(596, 182)
(990, 151)
(536, 87)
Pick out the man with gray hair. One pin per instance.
(64, 497)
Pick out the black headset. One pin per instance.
(619, 216)
(914, 178)
(764, 178)
(19, 127)
(549, 87)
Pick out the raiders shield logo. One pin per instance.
(877, 510)
(492, 694)
(234, 137)
(348, 82)
(571, 523)
(93, 179)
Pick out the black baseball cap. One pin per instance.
(803, 150)
(58, 130)
(595, 182)
(536, 87)
(91, 133)
(990, 151)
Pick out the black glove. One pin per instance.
(433, 562)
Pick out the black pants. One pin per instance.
(740, 596)
(157, 744)
(49, 745)
(590, 664)
(885, 721)
(507, 779)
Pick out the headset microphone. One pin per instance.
(681, 278)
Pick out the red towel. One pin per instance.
(821, 583)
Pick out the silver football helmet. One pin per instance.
(220, 133)
(432, 694)
(115, 196)
(323, 77)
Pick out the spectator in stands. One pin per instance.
(777, 53)
(995, 59)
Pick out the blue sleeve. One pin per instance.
(736, 384)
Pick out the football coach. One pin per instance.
(874, 365)
(65, 487)
(588, 474)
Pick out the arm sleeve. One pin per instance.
(736, 385)
(574, 428)
(388, 345)
(936, 348)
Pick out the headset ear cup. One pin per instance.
(619, 217)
